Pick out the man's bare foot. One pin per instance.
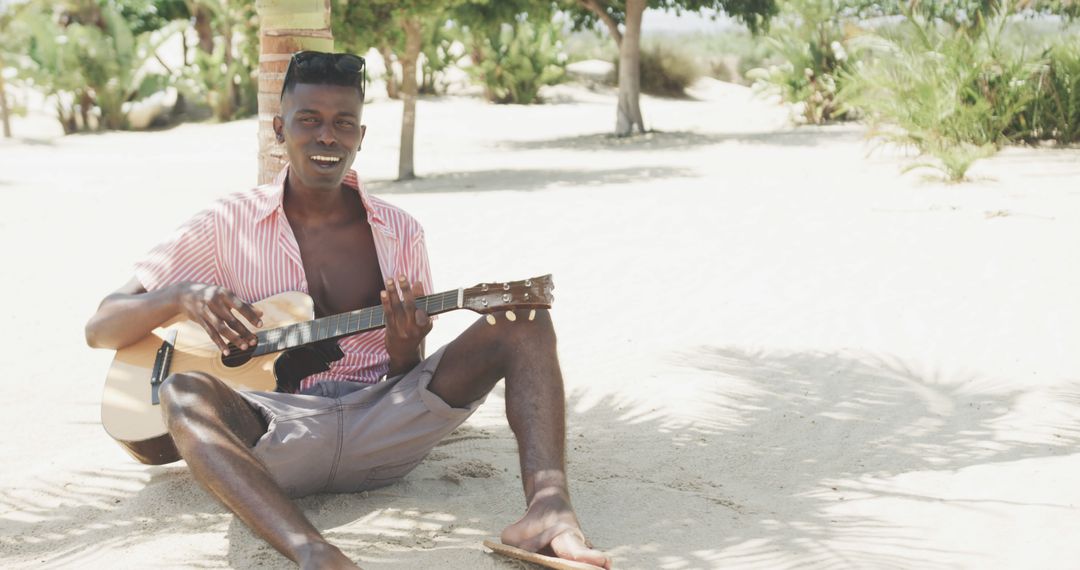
(321, 555)
(551, 527)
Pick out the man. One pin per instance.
(316, 230)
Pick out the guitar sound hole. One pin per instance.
(236, 357)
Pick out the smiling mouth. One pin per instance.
(325, 161)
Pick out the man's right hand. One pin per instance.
(212, 306)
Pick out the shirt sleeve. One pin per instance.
(189, 254)
(419, 269)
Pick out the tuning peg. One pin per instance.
(490, 319)
(510, 316)
(532, 314)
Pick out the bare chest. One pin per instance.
(341, 265)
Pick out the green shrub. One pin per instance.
(1053, 113)
(96, 63)
(953, 94)
(519, 60)
(809, 38)
(667, 69)
(439, 56)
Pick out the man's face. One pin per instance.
(320, 127)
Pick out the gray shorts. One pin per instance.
(345, 437)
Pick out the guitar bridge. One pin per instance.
(161, 365)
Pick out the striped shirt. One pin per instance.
(245, 244)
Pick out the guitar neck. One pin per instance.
(345, 324)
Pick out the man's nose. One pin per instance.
(326, 135)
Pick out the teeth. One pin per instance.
(326, 158)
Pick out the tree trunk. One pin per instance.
(477, 56)
(391, 77)
(413, 39)
(228, 102)
(612, 26)
(204, 29)
(4, 112)
(628, 116)
(285, 27)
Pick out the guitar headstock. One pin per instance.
(532, 293)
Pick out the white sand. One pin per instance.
(780, 352)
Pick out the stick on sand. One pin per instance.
(545, 561)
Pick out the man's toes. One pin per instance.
(573, 546)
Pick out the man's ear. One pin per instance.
(279, 128)
(363, 131)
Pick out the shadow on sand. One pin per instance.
(525, 180)
(676, 140)
(815, 429)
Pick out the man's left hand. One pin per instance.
(406, 325)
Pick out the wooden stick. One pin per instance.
(540, 559)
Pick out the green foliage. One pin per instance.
(149, 15)
(97, 63)
(951, 94)
(1054, 112)
(439, 55)
(517, 61)
(810, 38)
(226, 79)
(754, 13)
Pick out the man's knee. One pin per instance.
(529, 328)
(185, 391)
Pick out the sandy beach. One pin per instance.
(780, 351)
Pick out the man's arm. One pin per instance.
(130, 313)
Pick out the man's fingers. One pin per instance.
(213, 334)
(408, 303)
(236, 331)
(226, 330)
(395, 298)
(250, 312)
(388, 311)
(422, 320)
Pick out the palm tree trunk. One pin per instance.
(285, 27)
(628, 115)
(413, 39)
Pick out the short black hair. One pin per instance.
(321, 68)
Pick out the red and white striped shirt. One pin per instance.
(245, 244)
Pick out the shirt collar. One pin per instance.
(274, 199)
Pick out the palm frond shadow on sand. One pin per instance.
(747, 470)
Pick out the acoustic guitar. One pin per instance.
(290, 346)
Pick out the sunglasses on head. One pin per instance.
(301, 61)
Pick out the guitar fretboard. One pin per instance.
(344, 324)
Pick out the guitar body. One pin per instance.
(127, 411)
(292, 345)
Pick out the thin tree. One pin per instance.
(391, 25)
(622, 20)
(285, 27)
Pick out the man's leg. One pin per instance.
(523, 352)
(214, 429)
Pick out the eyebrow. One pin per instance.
(317, 112)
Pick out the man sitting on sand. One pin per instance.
(316, 230)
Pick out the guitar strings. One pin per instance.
(427, 299)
